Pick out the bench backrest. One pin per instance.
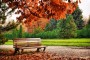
(26, 42)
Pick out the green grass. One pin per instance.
(9, 42)
(62, 42)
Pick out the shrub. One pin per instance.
(26, 35)
(47, 34)
(85, 32)
(38, 30)
(2, 39)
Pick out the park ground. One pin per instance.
(59, 47)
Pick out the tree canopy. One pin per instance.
(34, 9)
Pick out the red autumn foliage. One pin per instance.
(29, 26)
(42, 8)
(40, 56)
(35, 9)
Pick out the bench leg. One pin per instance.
(38, 49)
(44, 48)
(16, 50)
(22, 50)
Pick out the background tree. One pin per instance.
(37, 30)
(67, 28)
(78, 18)
(20, 32)
(85, 32)
(88, 28)
(51, 25)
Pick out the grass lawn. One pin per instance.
(62, 42)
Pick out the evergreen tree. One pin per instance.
(20, 32)
(67, 28)
(51, 25)
(77, 16)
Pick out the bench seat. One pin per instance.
(32, 47)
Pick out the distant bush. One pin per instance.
(38, 30)
(47, 34)
(2, 39)
(85, 32)
(15, 33)
(26, 35)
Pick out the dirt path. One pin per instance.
(61, 50)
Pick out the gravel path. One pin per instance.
(69, 51)
(61, 50)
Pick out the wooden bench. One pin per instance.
(27, 43)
